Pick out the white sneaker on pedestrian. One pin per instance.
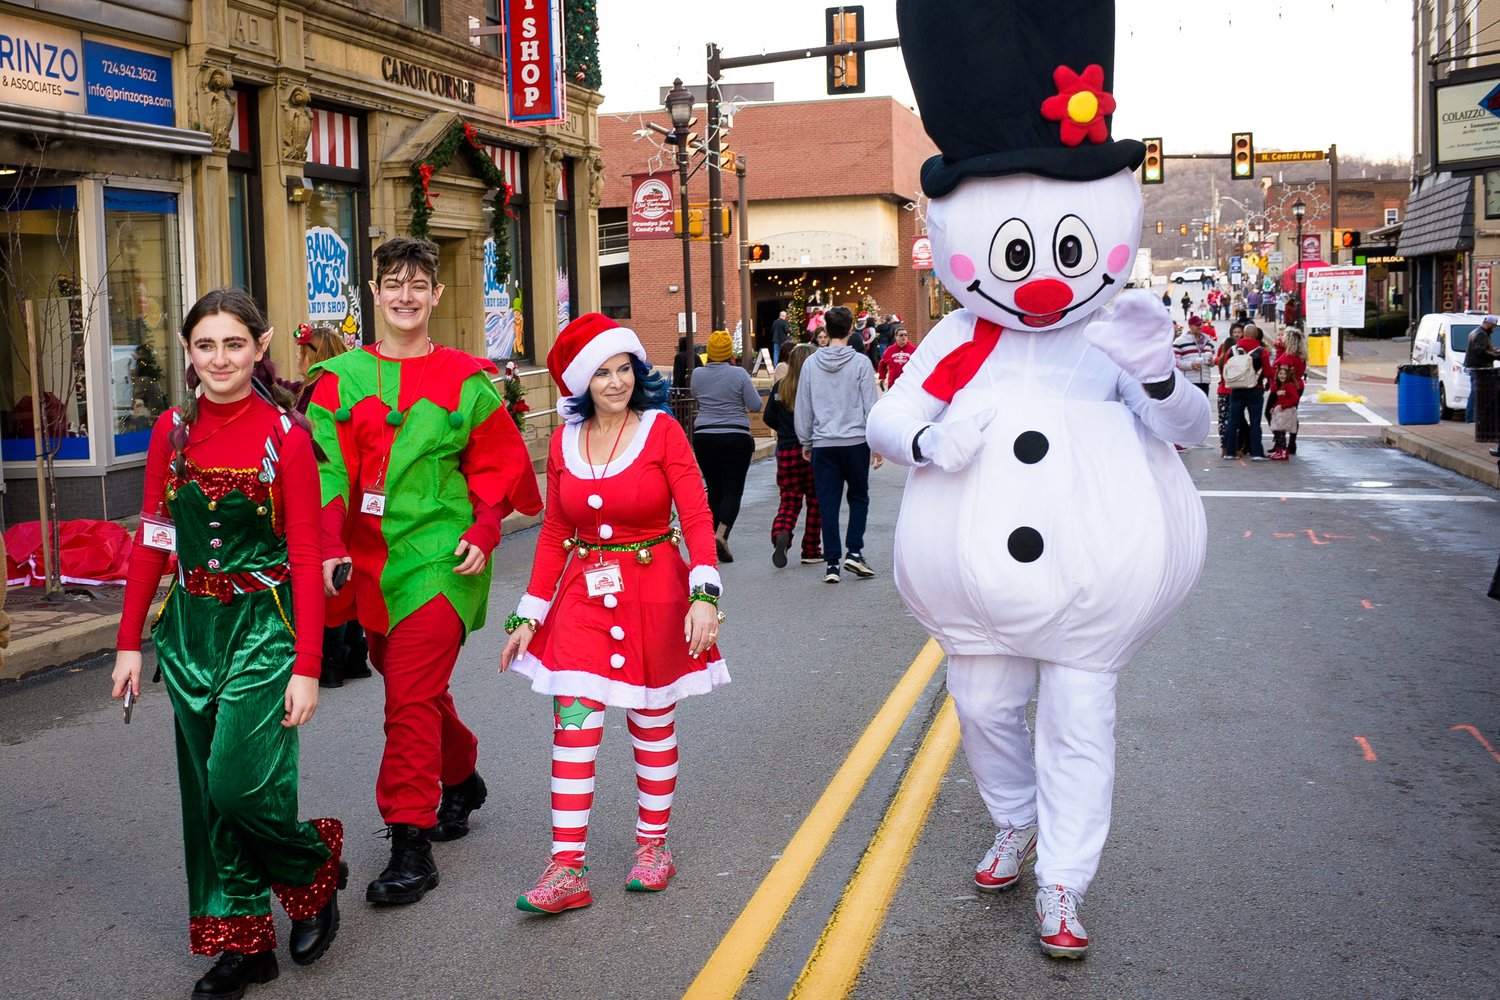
(855, 563)
(1057, 922)
(831, 575)
(1001, 867)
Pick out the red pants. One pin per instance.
(425, 743)
(795, 480)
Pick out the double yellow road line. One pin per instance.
(833, 968)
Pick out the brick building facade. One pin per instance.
(832, 188)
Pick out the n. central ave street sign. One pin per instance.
(1291, 156)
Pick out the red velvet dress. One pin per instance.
(627, 649)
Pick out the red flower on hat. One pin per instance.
(1080, 105)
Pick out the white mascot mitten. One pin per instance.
(1048, 527)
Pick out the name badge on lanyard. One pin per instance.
(158, 533)
(604, 578)
(373, 501)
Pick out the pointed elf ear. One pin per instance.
(264, 343)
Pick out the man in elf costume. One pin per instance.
(424, 462)
(1048, 529)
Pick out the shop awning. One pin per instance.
(105, 131)
(1439, 217)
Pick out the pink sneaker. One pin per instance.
(557, 890)
(653, 866)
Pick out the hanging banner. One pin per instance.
(651, 206)
(534, 89)
(921, 254)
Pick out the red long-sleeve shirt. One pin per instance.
(214, 443)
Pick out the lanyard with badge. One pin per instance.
(603, 577)
(372, 496)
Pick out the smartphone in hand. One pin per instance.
(129, 701)
(341, 574)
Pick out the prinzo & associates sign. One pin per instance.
(1465, 115)
(534, 90)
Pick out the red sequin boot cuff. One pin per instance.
(304, 902)
(247, 935)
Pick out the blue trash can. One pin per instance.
(1417, 400)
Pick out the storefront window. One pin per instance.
(333, 271)
(40, 268)
(144, 267)
(239, 231)
(505, 334)
(565, 256)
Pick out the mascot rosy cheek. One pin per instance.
(1048, 528)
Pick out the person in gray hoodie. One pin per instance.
(834, 398)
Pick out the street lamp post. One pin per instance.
(1299, 209)
(680, 107)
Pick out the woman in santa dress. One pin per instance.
(612, 615)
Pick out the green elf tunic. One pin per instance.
(430, 440)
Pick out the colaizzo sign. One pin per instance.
(534, 90)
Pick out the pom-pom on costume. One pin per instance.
(625, 647)
(244, 613)
(421, 454)
(1048, 526)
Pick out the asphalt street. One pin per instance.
(1308, 798)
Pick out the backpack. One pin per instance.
(1239, 370)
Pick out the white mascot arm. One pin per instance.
(1137, 335)
(907, 409)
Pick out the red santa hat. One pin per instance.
(584, 345)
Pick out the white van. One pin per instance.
(1441, 339)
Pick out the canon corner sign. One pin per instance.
(1466, 121)
(534, 90)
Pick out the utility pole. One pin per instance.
(747, 342)
(715, 196)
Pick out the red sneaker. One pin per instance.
(1057, 922)
(558, 889)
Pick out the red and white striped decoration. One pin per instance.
(509, 161)
(239, 127)
(562, 186)
(334, 141)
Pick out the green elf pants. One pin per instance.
(226, 668)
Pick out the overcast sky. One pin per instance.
(1300, 75)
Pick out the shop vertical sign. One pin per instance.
(534, 89)
(651, 215)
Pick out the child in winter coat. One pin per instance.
(1285, 394)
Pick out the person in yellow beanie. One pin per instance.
(721, 434)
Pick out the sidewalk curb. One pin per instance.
(71, 643)
(1441, 455)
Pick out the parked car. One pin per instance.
(1441, 339)
(1194, 274)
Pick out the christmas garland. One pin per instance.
(514, 395)
(462, 138)
(581, 43)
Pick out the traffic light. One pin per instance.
(758, 253)
(1160, 226)
(846, 73)
(1242, 148)
(1205, 229)
(729, 161)
(1350, 239)
(1151, 166)
(1182, 229)
(698, 222)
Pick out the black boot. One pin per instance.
(311, 938)
(458, 802)
(357, 652)
(332, 674)
(411, 872)
(233, 972)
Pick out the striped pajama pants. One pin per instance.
(578, 728)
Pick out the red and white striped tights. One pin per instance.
(578, 728)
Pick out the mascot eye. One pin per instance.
(1011, 254)
(1073, 246)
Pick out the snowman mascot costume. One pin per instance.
(1048, 528)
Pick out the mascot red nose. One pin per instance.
(1048, 529)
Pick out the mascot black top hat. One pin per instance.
(1014, 86)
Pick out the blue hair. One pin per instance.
(651, 391)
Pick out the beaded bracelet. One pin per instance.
(699, 595)
(516, 621)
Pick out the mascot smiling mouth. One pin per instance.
(1038, 320)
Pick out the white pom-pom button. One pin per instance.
(617, 632)
(596, 501)
(617, 661)
(610, 601)
(606, 532)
